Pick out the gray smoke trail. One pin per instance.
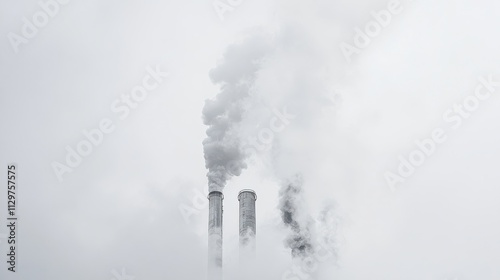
(328, 224)
(300, 239)
(224, 154)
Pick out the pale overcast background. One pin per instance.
(120, 209)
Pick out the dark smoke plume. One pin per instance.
(300, 239)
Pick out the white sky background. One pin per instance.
(119, 208)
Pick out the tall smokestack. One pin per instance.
(247, 200)
(215, 210)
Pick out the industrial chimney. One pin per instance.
(215, 210)
(247, 200)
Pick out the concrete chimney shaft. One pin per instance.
(215, 210)
(247, 200)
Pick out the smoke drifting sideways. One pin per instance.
(236, 74)
(300, 238)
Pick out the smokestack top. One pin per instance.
(217, 193)
(247, 191)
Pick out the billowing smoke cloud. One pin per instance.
(224, 154)
(299, 223)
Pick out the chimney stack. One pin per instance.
(247, 200)
(215, 210)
